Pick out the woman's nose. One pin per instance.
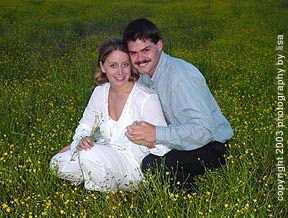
(120, 70)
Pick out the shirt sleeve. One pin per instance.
(81, 131)
(190, 106)
(88, 120)
(152, 113)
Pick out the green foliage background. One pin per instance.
(48, 53)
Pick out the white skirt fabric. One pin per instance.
(101, 168)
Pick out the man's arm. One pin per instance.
(143, 132)
(190, 108)
(190, 101)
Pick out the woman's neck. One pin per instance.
(123, 89)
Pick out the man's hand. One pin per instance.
(85, 143)
(142, 133)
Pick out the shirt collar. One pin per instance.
(160, 67)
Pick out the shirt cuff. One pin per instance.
(81, 131)
(162, 135)
(74, 146)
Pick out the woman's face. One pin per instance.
(117, 68)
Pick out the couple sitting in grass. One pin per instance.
(124, 132)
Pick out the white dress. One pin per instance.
(113, 162)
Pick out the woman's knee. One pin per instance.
(54, 162)
(89, 158)
(59, 161)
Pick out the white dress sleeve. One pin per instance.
(152, 113)
(81, 131)
(88, 118)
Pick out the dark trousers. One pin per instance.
(183, 166)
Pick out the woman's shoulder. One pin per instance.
(99, 91)
(142, 89)
(100, 88)
(144, 94)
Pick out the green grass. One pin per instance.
(48, 55)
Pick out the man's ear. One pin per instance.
(102, 67)
(160, 45)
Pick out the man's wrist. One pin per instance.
(159, 134)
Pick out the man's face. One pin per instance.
(145, 55)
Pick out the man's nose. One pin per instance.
(140, 57)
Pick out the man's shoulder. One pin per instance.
(179, 70)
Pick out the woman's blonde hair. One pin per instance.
(105, 50)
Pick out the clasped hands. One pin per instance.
(142, 133)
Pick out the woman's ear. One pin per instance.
(102, 67)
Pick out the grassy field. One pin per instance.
(48, 52)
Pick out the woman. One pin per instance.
(101, 155)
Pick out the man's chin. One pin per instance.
(142, 71)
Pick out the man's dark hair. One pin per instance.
(141, 29)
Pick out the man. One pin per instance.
(197, 131)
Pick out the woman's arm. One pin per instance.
(151, 112)
(88, 119)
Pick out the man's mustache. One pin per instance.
(142, 62)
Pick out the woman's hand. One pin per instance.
(85, 143)
(66, 148)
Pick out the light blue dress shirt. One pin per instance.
(193, 116)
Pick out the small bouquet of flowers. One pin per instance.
(96, 134)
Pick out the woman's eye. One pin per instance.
(113, 65)
(126, 64)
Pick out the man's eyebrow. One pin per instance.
(149, 46)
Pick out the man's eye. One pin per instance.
(146, 50)
(132, 53)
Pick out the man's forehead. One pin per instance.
(138, 44)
